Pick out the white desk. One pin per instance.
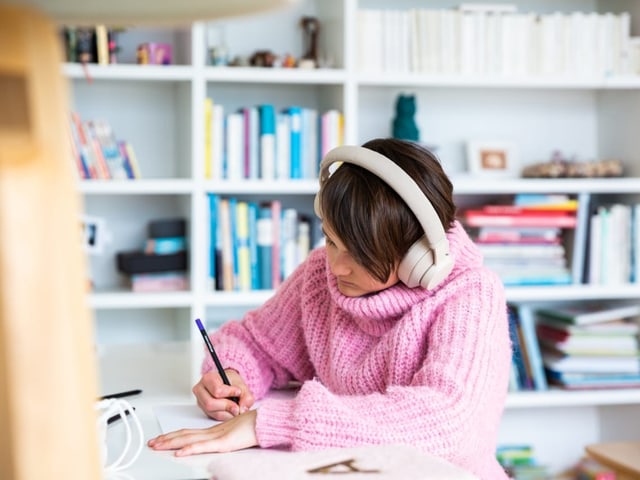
(391, 462)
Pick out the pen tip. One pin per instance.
(199, 323)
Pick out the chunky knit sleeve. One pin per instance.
(267, 346)
(452, 406)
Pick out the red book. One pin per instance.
(482, 218)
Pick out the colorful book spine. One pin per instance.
(264, 239)
(276, 273)
(214, 201)
(267, 142)
(295, 145)
(208, 116)
(527, 321)
(253, 245)
(243, 251)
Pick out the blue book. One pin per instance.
(214, 200)
(528, 325)
(579, 243)
(253, 245)
(233, 223)
(295, 124)
(264, 243)
(165, 246)
(517, 358)
(267, 142)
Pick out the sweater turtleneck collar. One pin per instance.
(377, 312)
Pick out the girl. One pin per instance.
(382, 358)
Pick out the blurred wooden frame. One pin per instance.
(47, 367)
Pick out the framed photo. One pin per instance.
(491, 159)
(94, 235)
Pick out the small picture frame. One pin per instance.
(93, 234)
(491, 159)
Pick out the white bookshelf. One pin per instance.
(159, 109)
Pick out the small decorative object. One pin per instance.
(311, 29)
(263, 58)
(491, 159)
(404, 124)
(288, 61)
(217, 50)
(154, 54)
(558, 166)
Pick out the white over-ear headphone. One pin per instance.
(427, 262)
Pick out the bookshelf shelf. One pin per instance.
(562, 398)
(237, 299)
(465, 185)
(573, 293)
(128, 300)
(283, 187)
(256, 75)
(499, 81)
(161, 73)
(136, 187)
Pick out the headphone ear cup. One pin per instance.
(417, 268)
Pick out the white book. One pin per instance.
(217, 141)
(415, 49)
(595, 243)
(488, 7)
(234, 136)
(449, 38)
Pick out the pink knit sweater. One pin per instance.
(409, 366)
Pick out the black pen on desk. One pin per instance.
(117, 416)
(127, 393)
(216, 360)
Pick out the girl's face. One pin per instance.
(353, 279)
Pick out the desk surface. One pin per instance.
(390, 462)
(623, 456)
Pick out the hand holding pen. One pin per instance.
(221, 394)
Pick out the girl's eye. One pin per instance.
(328, 241)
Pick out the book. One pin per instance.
(243, 251)
(264, 240)
(588, 313)
(522, 218)
(267, 142)
(527, 322)
(612, 327)
(587, 364)
(295, 144)
(214, 246)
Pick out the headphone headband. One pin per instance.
(433, 248)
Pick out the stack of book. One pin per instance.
(590, 345)
(524, 242)
(520, 463)
(98, 154)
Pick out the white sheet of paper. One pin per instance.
(175, 417)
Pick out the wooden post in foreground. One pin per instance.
(47, 363)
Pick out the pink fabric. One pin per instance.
(410, 366)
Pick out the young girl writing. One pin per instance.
(395, 330)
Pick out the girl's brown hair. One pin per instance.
(370, 218)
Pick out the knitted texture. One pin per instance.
(412, 366)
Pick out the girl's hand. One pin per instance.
(234, 434)
(213, 396)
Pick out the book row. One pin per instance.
(98, 154)
(260, 142)
(254, 246)
(544, 239)
(524, 243)
(585, 346)
(495, 40)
